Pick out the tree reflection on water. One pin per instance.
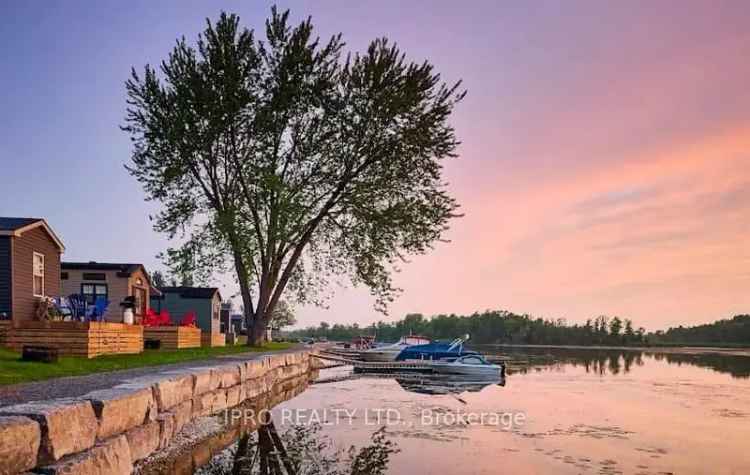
(301, 450)
(614, 362)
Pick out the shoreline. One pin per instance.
(686, 350)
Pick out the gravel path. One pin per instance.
(75, 386)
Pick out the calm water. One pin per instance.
(559, 411)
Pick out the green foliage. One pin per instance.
(292, 162)
(494, 326)
(282, 316)
(158, 279)
(491, 326)
(734, 331)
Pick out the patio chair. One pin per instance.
(77, 306)
(95, 312)
(188, 320)
(63, 307)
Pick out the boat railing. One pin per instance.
(458, 343)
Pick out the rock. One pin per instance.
(276, 361)
(182, 413)
(171, 392)
(143, 440)
(293, 358)
(253, 388)
(234, 395)
(119, 410)
(210, 403)
(111, 457)
(255, 369)
(67, 425)
(206, 381)
(229, 376)
(166, 429)
(19, 444)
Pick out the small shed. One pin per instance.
(204, 301)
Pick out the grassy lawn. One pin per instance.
(13, 370)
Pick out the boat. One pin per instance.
(469, 365)
(390, 352)
(436, 351)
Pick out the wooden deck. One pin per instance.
(4, 328)
(174, 337)
(89, 339)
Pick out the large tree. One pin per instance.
(291, 162)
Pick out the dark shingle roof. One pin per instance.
(92, 265)
(191, 292)
(11, 224)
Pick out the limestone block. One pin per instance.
(67, 425)
(233, 395)
(174, 391)
(210, 403)
(182, 413)
(119, 410)
(143, 440)
(111, 457)
(19, 443)
(166, 428)
(229, 375)
(255, 369)
(206, 381)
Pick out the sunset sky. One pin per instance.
(605, 164)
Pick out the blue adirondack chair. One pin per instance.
(97, 310)
(77, 306)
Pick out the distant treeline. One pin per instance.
(499, 326)
(734, 331)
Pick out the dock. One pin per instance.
(380, 367)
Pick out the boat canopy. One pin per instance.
(434, 351)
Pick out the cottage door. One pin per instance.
(140, 301)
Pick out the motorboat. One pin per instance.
(390, 352)
(471, 365)
(436, 351)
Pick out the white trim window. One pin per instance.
(38, 274)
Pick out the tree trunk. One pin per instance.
(247, 301)
(256, 333)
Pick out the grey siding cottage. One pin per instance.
(204, 301)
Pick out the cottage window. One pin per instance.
(38, 272)
(91, 292)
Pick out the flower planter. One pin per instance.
(213, 339)
(174, 337)
(86, 339)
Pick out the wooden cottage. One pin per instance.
(111, 281)
(29, 266)
(204, 301)
(30, 270)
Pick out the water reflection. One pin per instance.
(445, 385)
(613, 362)
(301, 450)
(423, 383)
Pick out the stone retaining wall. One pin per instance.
(106, 432)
